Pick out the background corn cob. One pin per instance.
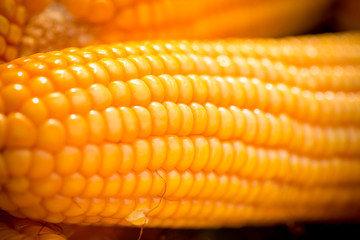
(43, 26)
(183, 133)
(14, 15)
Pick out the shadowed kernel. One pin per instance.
(14, 96)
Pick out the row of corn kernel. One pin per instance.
(337, 78)
(77, 209)
(21, 169)
(57, 126)
(127, 124)
(306, 50)
(326, 108)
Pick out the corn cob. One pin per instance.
(44, 25)
(183, 133)
(14, 15)
(136, 20)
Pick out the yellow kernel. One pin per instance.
(36, 213)
(114, 69)
(200, 89)
(215, 154)
(202, 152)
(73, 185)
(24, 199)
(78, 206)
(213, 87)
(51, 135)
(83, 76)
(187, 180)
(227, 158)
(156, 88)
(250, 163)
(57, 105)
(187, 120)
(263, 126)
(171, 88)
(20, 131)
(198, 185)
(174, 117)
(187, 154)
(159, 118)
(226, 92)
(79, 100)
(36, 68)
(91, 160)
(185, 89)
(97, 205)
(111, 160)
(56, 62)
(113, 124)
(101, 76)
(112, 185)
(187, 65)
(130, 70)
(40, 86)
(200, 118)
(63, 79)
(68, 160)
(46, 187)
(211, 183)
(127, 158)
(121, 94)
(94, 186)
(12, 75)
(128, 188)
(43, 164)
(157, 66)
(35, 110)
(145, 124)
(14, 96)
(97, 126)
(262, 95)
(142, 152)
(76, 129)
(143, 184)
(130, 124)
(100, 96)
(227, 124)
(158, 153)
(140, 93)
(171, 64)
(173, 180)
(142, 65)
(18, 184)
